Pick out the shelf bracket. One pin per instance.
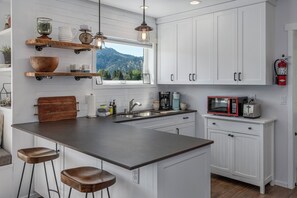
(39, 78)
(77, 51)
(77, 78)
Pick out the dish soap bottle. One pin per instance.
(114, 107)
(110, 108)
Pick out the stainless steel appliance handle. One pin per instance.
(235, 76)
(239, 76)
(171, 77)
(190, 75)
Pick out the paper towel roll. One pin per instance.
(91, 102)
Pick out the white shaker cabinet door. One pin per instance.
(225, 31)
(167, 46)
(185, 51)
(251, 46)
(204, 49)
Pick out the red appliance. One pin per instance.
(226, 105)
(281, 70)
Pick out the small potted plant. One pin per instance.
(6, 51)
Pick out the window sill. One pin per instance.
(124, 86)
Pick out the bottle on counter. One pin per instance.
(114, 107)
(110, 108)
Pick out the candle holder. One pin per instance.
(44, 27)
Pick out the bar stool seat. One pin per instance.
(87, 179)
(34, 156)
(37, 155)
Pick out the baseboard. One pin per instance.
(281, 183)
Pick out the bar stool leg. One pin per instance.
(24, 166)
(93, 195)
(55, 178)
(108, 192)
(31, 180)
(69, 192)
(45, 172)
(86, 195)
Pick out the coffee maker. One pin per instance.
(164, 98)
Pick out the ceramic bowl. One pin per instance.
(44, 63)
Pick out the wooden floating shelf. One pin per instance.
(41, 43)
(77, 75)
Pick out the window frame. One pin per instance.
(149, 66)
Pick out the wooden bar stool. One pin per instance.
(87, 179)
(34, 156)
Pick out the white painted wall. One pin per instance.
(268, 96)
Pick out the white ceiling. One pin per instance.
(160, 8)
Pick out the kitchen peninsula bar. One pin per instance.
(154, 164)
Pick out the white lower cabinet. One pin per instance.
(182, 124)
(243, 149)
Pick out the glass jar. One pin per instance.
(44, 26)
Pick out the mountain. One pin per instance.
(111, 60)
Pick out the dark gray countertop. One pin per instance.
(122, 145)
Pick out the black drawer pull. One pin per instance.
(213, 123)
(185, 118)
(250, 128)
(230, 135)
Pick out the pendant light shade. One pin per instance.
(143, 29)
(99, 38)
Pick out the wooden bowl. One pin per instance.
(44, 63)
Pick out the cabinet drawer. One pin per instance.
(164, 121)
(247, 128)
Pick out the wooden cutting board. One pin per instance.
(56, 108)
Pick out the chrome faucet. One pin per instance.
(132, 105)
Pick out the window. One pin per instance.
(125, 63)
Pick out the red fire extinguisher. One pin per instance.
(281, 70)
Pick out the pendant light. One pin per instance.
(143, 29)
(99, 38)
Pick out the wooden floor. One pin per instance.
(227, 188)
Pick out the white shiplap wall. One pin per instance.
(115, 23)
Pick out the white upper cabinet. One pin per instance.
(204, 49)
(230, 47)
(175, 52)
(252, 66)
(184, 51)
(225, 41)
(167, 59)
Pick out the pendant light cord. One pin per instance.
(143, 11)
(99, 15)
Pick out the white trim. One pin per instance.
(291, 27)
(281, 183)
(291, 85)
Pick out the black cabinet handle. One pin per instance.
(177, 131)
(239, 76)
(194, 77)
(295, 133)
(230, 135)
(190, 77)
(213, 123)
(185, 118)
(234, 76)
(250, 128)
(171, 77)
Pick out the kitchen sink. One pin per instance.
(139, 114)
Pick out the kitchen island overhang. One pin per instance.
(133, 148)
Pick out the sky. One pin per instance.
(126, 49)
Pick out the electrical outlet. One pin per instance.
(135, 176)
(283, 100)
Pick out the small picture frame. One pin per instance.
(146, 78)
(99, 80)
